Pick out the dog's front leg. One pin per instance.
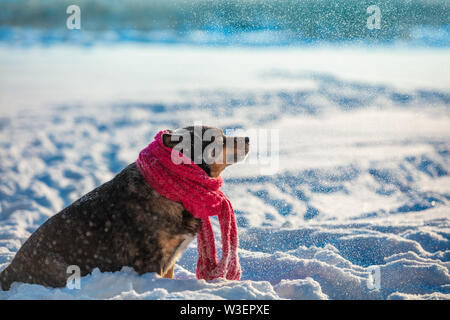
(169, 273)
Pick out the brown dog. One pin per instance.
(124, 222)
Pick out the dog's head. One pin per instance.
(208, 147)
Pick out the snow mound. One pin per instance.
(300, 289)
(358, 208)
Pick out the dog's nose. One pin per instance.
(247, 140)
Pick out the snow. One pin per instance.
(362, 180)
(300, 289)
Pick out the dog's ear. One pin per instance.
(170, 139)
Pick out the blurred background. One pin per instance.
(230, 22)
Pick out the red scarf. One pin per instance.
(200, 194)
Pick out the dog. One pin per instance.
(123, 222)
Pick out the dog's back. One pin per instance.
(121, 223)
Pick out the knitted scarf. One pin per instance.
(188, 184)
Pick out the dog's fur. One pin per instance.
(124, 222)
